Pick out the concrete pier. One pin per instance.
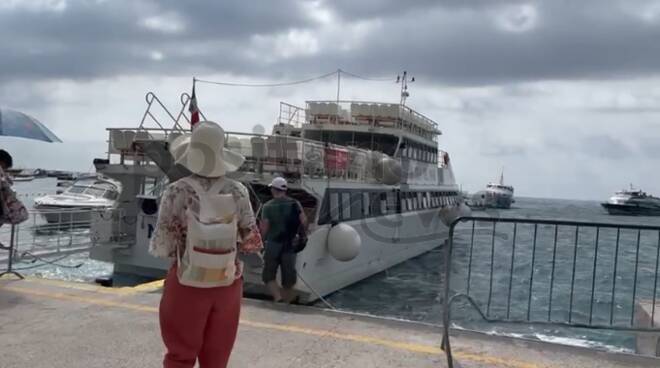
(56, 324)
(648, 343)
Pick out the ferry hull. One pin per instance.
(386, 241)
(630, 210)
(491, 200)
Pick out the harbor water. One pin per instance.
(413, 290)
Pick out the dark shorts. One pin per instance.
(276, 256)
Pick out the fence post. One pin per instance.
(446, 346)
(10, 258)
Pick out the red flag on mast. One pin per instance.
(194, 111)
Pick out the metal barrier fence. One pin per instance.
(546, 272)
(47, 233)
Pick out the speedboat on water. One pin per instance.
(370, 176)
(19, 175)
(496, 195)
(75, 204)
(22, 178)
(632, 202)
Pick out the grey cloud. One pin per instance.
(503, 150)
(452, 41)
(350, 9)
(605, 146)
(650, 147)
(99, 39)
(578, 41)
(627, 110)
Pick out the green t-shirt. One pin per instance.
(280, 214)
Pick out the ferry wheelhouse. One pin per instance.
(364, 171)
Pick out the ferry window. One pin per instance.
(420, 198)
(365, 204)
(392, 202)
(383, 203)
(334, 206)
(374, 201)
(356, 205)
(345, 206)
(409, 201)
(385, 143)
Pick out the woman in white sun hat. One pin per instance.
(204, 220)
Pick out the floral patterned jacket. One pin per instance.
(171, 227)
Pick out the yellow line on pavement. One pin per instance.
(148, 287)
(399, 345)
(141, 288)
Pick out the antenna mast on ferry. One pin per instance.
(404, 85)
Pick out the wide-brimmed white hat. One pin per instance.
(203, 151)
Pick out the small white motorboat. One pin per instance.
(75, 204)
(17, 179)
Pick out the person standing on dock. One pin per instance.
(281, 219)
(12, 210)
(205, 219)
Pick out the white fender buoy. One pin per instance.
(450, 214)
(388, 170)
(344, 242)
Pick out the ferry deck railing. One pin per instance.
(294, 157)
(282, 155)
(593, 275)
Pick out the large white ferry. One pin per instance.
(632, 202)
(364, 171)
(496, 195)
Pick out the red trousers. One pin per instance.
(198, 323)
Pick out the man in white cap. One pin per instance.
(204, 221)
(281, 219)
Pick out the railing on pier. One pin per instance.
(49, 234)
(545, 272)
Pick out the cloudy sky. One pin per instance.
(564, 95)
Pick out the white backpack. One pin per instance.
(209, 259)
